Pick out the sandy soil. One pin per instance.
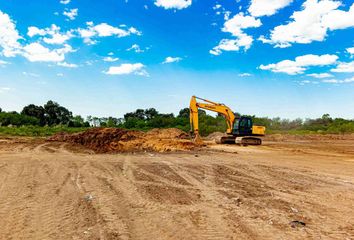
(51, 190)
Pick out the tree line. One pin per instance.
(50, 114)
(53, 114)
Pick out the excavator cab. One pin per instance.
(243, 126)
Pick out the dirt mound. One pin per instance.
(215, 136)
(103, 140)
(167, 133)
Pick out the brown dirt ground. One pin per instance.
(56, 190)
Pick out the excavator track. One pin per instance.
(243, 141)
(227, 140)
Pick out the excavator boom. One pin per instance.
(211, 106)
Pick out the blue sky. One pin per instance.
(286, 58)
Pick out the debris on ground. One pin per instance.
(88, 197)
(294, 210)
(104, 140)
(297, 223)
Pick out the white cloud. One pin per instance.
(304, 82)
(30, 74)
(136, 48)
(235, 26)
(311, 23)
(10, 45)
(344, 67)
(4, 89)
(127, 68)
(65, 2)
(135, 31)
(239, 22)
(35, 52)
(226, 45)
(9, 36)
(90, 62)
(286, 66)
(347, 80)
(217, 6)
(53, 34)
(245, 75)
(338, 19)
(227, 15)
(33, 31)
(320, 75)
(2, 62)
(68, 65)
(104, 30)
(173, 4)
(350, 50)
(71, 13)
(57, 38)
(60, 75)
(259, 8)
(172, 60)
(300, 64)
(110, 59)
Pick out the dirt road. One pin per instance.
(57, 191)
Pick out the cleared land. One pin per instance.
(55, 190)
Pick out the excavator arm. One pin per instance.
(211, 106)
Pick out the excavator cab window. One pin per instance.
(244, 123)
(236, 124)
(243, 126)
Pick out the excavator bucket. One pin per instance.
(198, 140)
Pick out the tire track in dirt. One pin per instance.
(4, 173)
(103, 197)
(155, 219)
(210, 215)
(44, 201)
(127, 203)
(142, 214)
(10, 205)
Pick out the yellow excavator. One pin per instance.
(239, 130)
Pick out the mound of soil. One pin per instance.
(167, 133)
(104, 140)
(215, 136)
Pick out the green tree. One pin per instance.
(150, 113)
(35, 111)
(16, 119)
(56, 114)
(139, 114)
(78, 121)
(89, 119)
(130, 122)
(184, 113)
(112, 122)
